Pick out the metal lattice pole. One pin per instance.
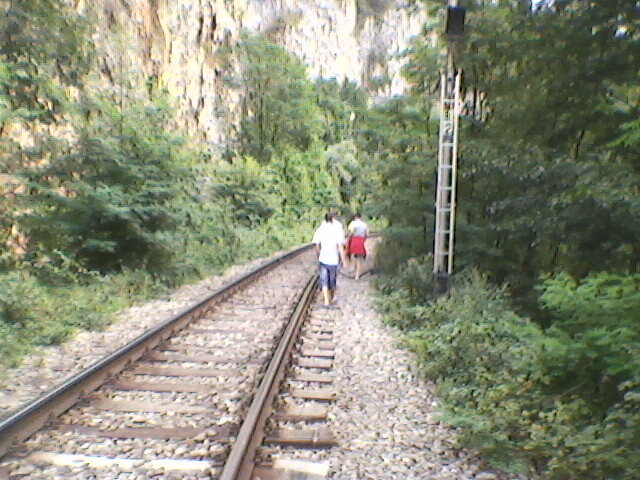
(446, 175)
(450, 106)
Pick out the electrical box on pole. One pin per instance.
(454, 23)
(445, 205)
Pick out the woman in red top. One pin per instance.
(356, 249)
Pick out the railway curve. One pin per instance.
(221, 345)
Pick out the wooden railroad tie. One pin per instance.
(306, 412)
(308, 438)
(153, 369)
(318, 394)
(315, 362)
(220, 434)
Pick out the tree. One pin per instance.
(100, 201)
(42, 50)
(43, 58)
(342, 107)
(397, 139)
(548, 180)
(278, 104)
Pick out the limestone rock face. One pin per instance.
(338, 39)
(175, 43)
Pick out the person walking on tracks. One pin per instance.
(329, 240)
(358, 231)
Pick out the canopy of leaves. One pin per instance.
(42, 48)
(278, 107)
(398, 143)
(548, 175)
(100, 200)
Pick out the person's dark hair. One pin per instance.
(328, 217)
(357, 215)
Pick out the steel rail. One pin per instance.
(240, 462)
(33, 416)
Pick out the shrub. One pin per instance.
(482, 353)
(563, 403)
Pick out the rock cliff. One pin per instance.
(175, 44)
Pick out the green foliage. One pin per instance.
(343, 162)
(342, 106)
(560, 403)
(548, 183)
(522, 214)
(560, 197)
(100, 201)
(481, 353)
(42, 49)
(114, 207)
(278, 105)
(545, 183)
(275, 204)
(591, 360)
(345, 119)
(35, 313)
(609, 448)
(305, 184)
(396, 139)
(554, 78)
(43, 56)
(243, 189)
(11, 347)
(594, 333)
(407, 292)
(599, 300)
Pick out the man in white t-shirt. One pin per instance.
(329, 240)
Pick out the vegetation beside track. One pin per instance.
(541, 374)
(558, 402)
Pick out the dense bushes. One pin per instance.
(44, 313)
(561, 402)
(277, 102)
(101, 200)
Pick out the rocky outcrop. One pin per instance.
(177, 44)
(342, 39)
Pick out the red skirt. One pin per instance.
(356, 246)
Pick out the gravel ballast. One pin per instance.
(385, 417)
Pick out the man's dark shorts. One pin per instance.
(328, 275)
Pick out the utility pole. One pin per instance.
(450, 106)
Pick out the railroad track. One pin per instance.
(171, 404)
(298, 437)
(286, 432)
